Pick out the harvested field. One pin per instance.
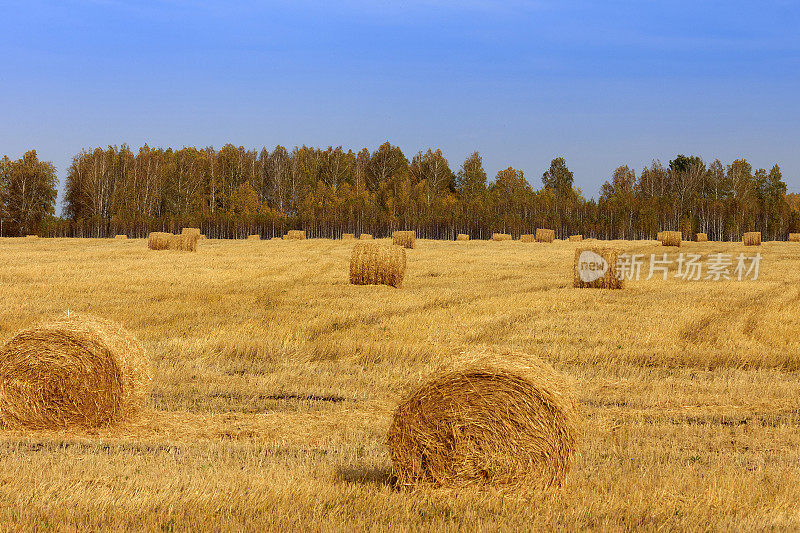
(275, 382)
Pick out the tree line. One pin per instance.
(232, 192)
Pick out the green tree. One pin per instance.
(28, 193)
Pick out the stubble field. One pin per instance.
(275, 381)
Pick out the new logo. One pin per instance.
(591, 266)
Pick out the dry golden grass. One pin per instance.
(372, 263)
(274, 383)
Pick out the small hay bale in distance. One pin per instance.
(701, 237)
(527, 237)
(158, 240)
(501, 237)
(365, 237)
(121, 237)
(794, 237)
(545, 235)
(77, 371)
(671, 238)
(31, 236)
(506, 420)
(296, 234)
(189, 231)
(372, 263)
(576, 238)
(406, 239)
(752, 238)
(596, 268)
(254, 237)
(348, 236)
(462, 237)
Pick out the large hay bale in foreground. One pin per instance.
(372, 263)
(78, 371)
(576, 238)
(348, 236)
(158, 240)
(794, 237)
(501, 237)
(254, 237)
(701, 237)
(527, 237)
(365, 237)
(752, 238)
(545, 235)
(121, 237)
(596, 268)
(490, 419)
(462, 237)
(406, 239)
(185, 242)
(297, 234)
(671, 238)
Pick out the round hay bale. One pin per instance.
(545, 235)
(348, 236)
(158, 240)
(406, 239)
(671, 238)
(188, 231)
(365, 237)
(501, 237)
(296, 234)
(491, 419)
(794, 237)
(576, 238)
(185, 242)
(596, 267)
(121, 237)
(527, 237)
(462, 237)
(701, 237)
(254, 237)
(78, 371)
(376, 264)
(752, 238)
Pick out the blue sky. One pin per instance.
(600, 83)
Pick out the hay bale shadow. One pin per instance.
(367, 475)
